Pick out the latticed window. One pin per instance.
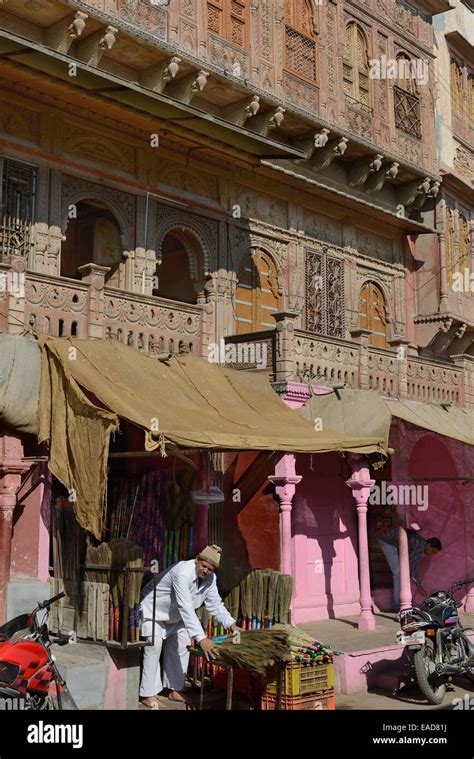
(228, 19)
(257, 295)
(373, 314)
(355, 66)
(17, 206)
(407, 99)
(301, 56)
(456, 87)
(324, 310)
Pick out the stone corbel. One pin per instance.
(239, 113)
(62, 34)
(376, 180)
(158, 77)
(93, 47)
(323, 157)
(269, 121)
(359, 170)
(312, 143)
(188, 86)
(415, 194)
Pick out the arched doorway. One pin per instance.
(180, 274)
(93, 236)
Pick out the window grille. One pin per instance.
(300, 54)
(17, 208)
(324, 310)
(407, 112)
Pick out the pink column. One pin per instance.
(285, 480)
(11, 469)
(405, 583)
(360, 484)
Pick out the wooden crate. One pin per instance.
(84, 609)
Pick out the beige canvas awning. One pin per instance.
(352, 412)
(186, 401)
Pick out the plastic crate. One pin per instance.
(298, 679)
(324, 701)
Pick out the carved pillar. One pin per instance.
(360, 484)
(94, 276)
(362, 337)
(405, 582)
(466, 363)
(11, 469)
(12, 282)
(285, 480)
(402, 357)
(443, 285)
(285, 345)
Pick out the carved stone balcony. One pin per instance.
(87, 309)
(301, 356)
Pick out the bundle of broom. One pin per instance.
(117, 556)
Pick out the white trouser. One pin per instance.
(173, 638)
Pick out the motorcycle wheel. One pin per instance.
(431, 685)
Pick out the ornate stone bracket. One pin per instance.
(376, 180)
(360, 170)
(239, 113)
(414, 195)
(188, 86)
(61, 35)
(93, 47)
(324, 156)
(267, 122)
(158, 77)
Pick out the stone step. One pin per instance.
(86, 677)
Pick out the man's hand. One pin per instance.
(209, 648)
(236, 628)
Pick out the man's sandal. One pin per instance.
(175, 695)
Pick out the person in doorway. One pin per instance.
(180, 590)
(417, 548)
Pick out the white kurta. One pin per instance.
(179, 592)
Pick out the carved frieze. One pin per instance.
(152, 17)
(265, 13)
(360, 122)
(301, 93)
(95, 147)
(20, 123)
(255, 205)
(322, 228)
(227, 55)
(196, 182)
(409, 148)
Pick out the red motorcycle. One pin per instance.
(29, 678)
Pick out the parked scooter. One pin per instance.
(29, 678)
(441, 648)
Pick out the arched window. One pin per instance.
(300, 40)
(174, 278)
(356, 66)
(456, 87)
(449, 243)
(228, 19)
(407, 97)
(257, 296)
(373, 315)
(93, 236)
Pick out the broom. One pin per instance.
(272, 591)
(259, 597)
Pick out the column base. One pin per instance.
(366, 620)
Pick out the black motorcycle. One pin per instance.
(439, 642)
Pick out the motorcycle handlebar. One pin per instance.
(51, 601)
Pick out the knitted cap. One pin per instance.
(212, 554)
